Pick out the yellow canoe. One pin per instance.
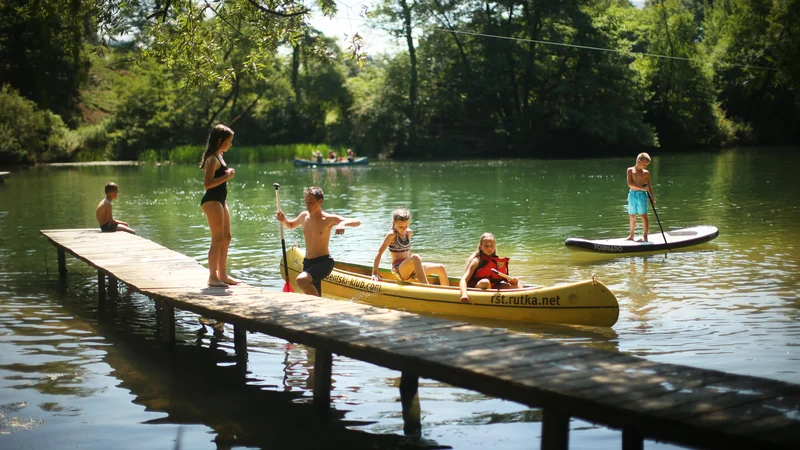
(584, 303)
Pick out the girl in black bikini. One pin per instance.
(405, 264)
(214, 204)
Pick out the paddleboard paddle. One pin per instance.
(287, 287)
(649, 197)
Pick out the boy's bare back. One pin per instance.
(103, 212)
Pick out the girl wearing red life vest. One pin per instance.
(479, 273)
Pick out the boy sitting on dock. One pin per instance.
(317, 225)
(103, 213)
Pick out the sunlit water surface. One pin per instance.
(73, 376)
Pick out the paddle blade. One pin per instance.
(288, 287)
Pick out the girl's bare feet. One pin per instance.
(230, 280)
(216, 282)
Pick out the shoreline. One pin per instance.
(93, 163)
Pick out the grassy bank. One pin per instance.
(191, 154)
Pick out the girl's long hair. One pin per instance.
(477, 253)
(217, 136)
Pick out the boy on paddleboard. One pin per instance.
(317, 225)
(640, 186)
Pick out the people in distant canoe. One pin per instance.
(318, 156)
(103, 213)
(640, 187)
(351, 156)
(332, 156)
(214, 204)
(483, 267)
(406, 265)
(317, 225)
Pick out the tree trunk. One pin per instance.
(412, 88)
(296, 72)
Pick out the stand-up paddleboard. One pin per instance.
(685, 237)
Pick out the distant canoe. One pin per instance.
(307, 162)
(685, 237)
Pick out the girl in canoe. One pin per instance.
(406, 265)
(486, 270)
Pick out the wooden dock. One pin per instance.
(646, 400)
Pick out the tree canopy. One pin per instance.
(507, 78)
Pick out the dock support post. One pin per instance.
(113, 287)
(323, 370)
(240, 346)
(101, 286)
(409, 398)
(555, 430)
(631, 440)
(62, 261)
(167, 314)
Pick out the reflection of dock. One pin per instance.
(201, 385)
(645, 399)
(4, 175)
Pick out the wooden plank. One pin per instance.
(468, 337)
(759, 417)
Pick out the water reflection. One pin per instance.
(639, 290)
(198, 383)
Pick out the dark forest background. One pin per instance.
(104, 79)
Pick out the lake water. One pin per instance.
(75, 377)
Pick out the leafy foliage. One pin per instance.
(511, 78)
(28, 134)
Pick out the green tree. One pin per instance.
(755, 48)
(28, 134)
(681, 91)
(42, 54)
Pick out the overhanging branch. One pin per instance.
(277, 13)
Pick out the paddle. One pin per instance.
(656, 213)
(508, 278)
(288, 286)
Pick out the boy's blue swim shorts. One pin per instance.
(637, 202)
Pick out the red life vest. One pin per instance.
(484, 270)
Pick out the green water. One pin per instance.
(72, 376)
